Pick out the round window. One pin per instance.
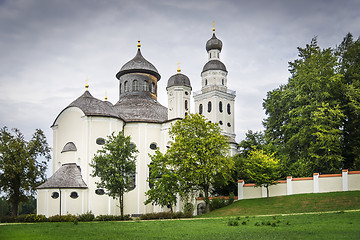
(100, 141)
(100, 191)
(55, 195)
(220, 122)
(228, 124)
(153, 146)
(74, 195)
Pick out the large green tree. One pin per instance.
(22, 165)
(199, 155)
(115, 165)
(305, 115)
(163, 180)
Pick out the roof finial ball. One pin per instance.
(178, 70)
(214, 27)
(86, 84)
(139, 45)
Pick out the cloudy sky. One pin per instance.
(49, 47)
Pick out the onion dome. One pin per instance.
(213, 43)
(214, 65)
(138, 65)
(178, 79)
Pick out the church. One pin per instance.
(80, 130)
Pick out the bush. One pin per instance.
(216, 203)
(86, 217)
(233, 222)
(62, 218)
(188, 209)
(231, 198)
(35, 218)
(112, 218)
(165, 215)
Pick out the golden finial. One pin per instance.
(178, 70)
(138, 45)
(86, 84)
(106, 98)
(213, 26)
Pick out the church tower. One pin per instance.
(215, 101)
(179, 91)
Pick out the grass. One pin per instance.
(299, 203)
(236, 221)
(342, 225)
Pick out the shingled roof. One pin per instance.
(67, 176)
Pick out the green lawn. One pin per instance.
(317, 226)
(299, 203)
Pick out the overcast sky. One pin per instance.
(49, 47)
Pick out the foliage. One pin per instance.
(305, 116)
(188, 209)
(199, 155)
(163, 181)
(165, 215)
(115, 165)
(62, 218)
(220, 202)
(22, 165)
(86, 217)
(253, 140)
(113, 218)
(35, 218)
(263, 169)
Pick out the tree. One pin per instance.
(22, 165)
(199, 155)
(115, 165)
(163, 181)
(263, 169)
(305, 116)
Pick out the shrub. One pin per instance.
(86, 217)
(233, 222)
(216, 203)
(62, 218)
(231, 198)
(112, 218)
(165, 215)
(189, 209)
(35, 218)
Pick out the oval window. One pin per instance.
(228, 108)
(220, 122)
(200, 109)
(228, 124)
(100, 191)
(209, 106)
(100, 141)
(74, 195)
(55, 195)
(220, 107)
(153, 146)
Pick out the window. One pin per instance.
(200, 109)
(145, 86)
(74, 195)
(220, 122)
(153, 87)
(220, 107)
(228, 124)
(223, 82)
(133, 182)
(100, 141)
(126, 86)
(186, 93)
(205, 82)
(153, 146)
(55, 195)
(120, 89)
(100, 191)
(209, 106)
(186, 105)
(135, 86)
(228, 109)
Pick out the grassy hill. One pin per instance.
(299, 203)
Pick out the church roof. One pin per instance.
(138, 65)
(214, 65)
(141, 108)
(67, 176)
(213, 43)
(178, 79)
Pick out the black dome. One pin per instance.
(138, 65)
(178, 80)
(214, 65)
(213, 43)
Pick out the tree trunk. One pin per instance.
(14, 208)
(207, 201)
(267, 191)
(121, 199)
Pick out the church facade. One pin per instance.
(80, 130)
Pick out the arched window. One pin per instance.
(228, 124)
(220, 107)
(120, 89)
(186, 105)
(223, 82)
(228, 109)
(200, 109)
(126, 86)
(135, 86)
(209, 106)
(145, 86)
(205, 82)
(153, 87)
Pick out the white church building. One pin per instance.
(80, 130)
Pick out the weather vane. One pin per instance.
(214, 26)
